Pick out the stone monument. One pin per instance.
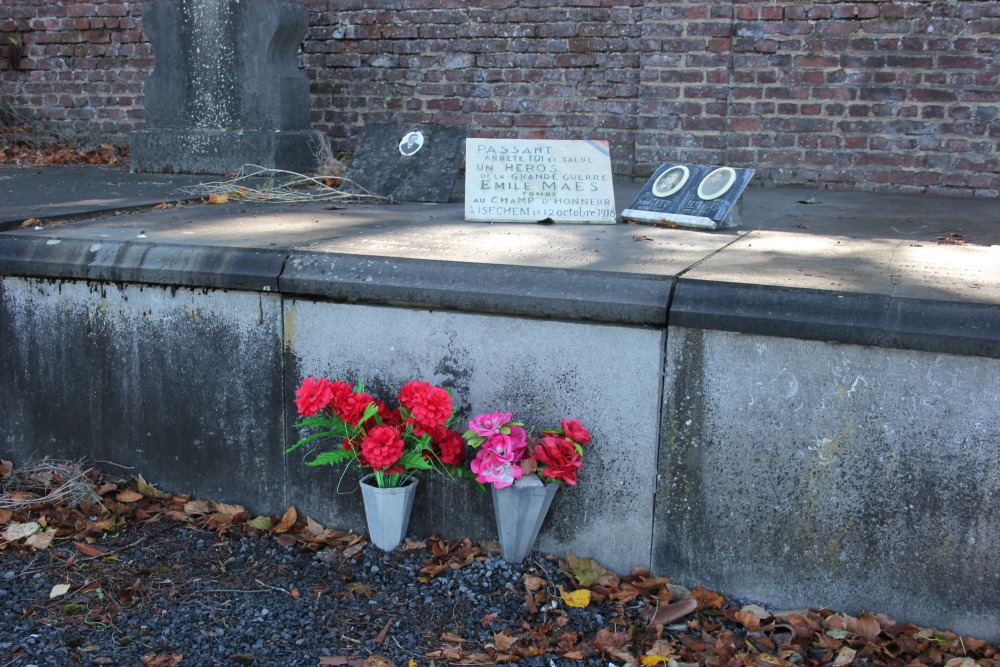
(538, 180)
(691, 195)
(225, 89)
(407, 162)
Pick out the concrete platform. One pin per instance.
(802, 410)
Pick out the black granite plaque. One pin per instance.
(407, 162)
(689, 195)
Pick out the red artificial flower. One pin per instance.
(428, 405)
(314, 395)
(574, 430)
(449, 446)
(560, 458)
(341, 390)
(352, 408)
(385, 414)
(382, 447)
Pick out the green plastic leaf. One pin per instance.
(263, 523)
(333, 457)
(415, 461)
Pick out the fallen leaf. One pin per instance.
(196, 507)
(261, 523)
(16, 531)
(453, 639)
(585, 570)
(58, 590)
(961, 662)
(216, 198)
(380, 637)
(845, 656)
(41, 540)
(128, 496)
(30, 222)
(707, 599)
(148, 490)
(503, 642)
(671, 612)
(652, 659)
(6, 467)
(533, 583)
(578, 599)
(164, 660)
(160, 207)
(5, 516)
(866, 625)
(287, 521)
(90, 550)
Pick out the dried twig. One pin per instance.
(58, 482)
(292, 188)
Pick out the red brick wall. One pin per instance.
(872, 94)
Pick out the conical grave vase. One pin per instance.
(387, 511)
(520, 511)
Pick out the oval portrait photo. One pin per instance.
(670, 181)
(717, 183)
(411, 143)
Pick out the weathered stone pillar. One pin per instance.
(225, 89)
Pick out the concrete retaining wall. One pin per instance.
(794, 472)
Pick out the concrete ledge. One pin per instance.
(778, 311)
(488, 288)
(838, 317)
(943, 326)
(137, 262)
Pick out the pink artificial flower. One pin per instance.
(490, 469)
(489, 424)
(314, 395)
(506, 447)
(574, 430)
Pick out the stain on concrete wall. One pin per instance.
(178, 383)
(809, 473)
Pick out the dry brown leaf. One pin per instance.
(453, 639)
(504, 643)
(670, 612)
(30, 222)
(845, 656)
(196, 507)
(533, 583)
(230, 510)
(287, 521)
(5, 516)
(216, 198)
(314, 528)
(16, 530)
(106, 488)
(164, 660)
(128, 496)
(6, 468)
(866, 625)
(749, 620)
(707, 599)
(40, 541)
(377, 661)
(90, 550)
(160, 207)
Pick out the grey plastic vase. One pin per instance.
(520, 512)
(387, 511)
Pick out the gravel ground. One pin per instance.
(174, 589)
(127, 575)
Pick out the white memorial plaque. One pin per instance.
(537, 180)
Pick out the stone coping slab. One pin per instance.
(908, 271)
